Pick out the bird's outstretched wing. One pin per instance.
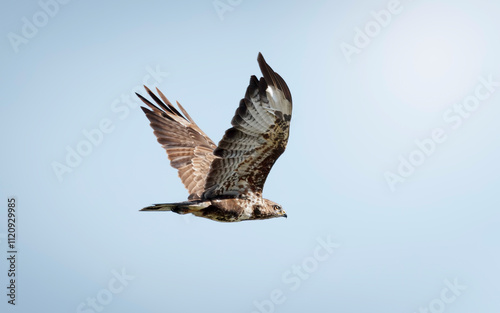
(189, 150)
(258, 137)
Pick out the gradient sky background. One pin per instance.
(352, 121)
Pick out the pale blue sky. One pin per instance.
(424, 65)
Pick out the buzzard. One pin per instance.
(225, 181)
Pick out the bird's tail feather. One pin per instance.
(179, 207)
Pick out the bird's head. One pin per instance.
(268, 209)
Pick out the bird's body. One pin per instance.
(223, 210)
(225, 182)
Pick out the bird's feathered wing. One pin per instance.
(259, 135)
(189, 150)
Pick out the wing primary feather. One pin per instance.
(158, 101)
(272, 78)
(186, 115)
(153, 107)
(165, 106)
(184, 112)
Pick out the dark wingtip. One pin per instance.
(272, 78)
(166, 107)
(146, 101)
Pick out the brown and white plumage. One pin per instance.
(189, 150)
(225, 182)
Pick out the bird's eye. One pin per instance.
(276, 207)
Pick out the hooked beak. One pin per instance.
(285, 215)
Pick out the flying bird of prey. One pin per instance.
(225, 181)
